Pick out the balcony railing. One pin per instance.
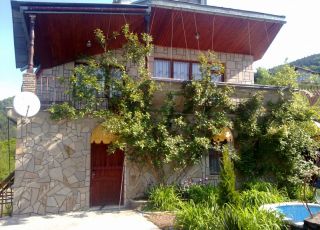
(51, 90)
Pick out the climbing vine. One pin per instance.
(168, 139)
(276, 141)
(273, 141)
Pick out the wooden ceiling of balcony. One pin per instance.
(61, 38)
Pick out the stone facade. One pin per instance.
(52, 165)
(29, 82)
(238, 67)
(53, 158)
(50, 89)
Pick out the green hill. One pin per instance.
(311, 62)
(4, 121)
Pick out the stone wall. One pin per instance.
(238, 67)
(52, 165)
(49, 88)
(28, 82)
(238, 70)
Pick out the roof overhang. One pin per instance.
(63, 29)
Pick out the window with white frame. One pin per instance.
(161, 68)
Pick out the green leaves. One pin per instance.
(284, 75)
(276, 140)
(227, 185)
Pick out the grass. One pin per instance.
(200, 211)
(255, 198)
(4, 158)
(164, 198)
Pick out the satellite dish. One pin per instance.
(26, 104)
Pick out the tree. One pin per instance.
(167, 140)
(276, 141)
(227, 187)
(284, 75)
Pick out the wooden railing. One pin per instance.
(6, 195)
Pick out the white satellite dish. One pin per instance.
(26, 104)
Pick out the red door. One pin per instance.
(106, 176)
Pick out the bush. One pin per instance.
(259, 185)
(255, 198)
(197, 217)
(164, 198)
(228, 217)
(300, 190)
(201, 194)
(227, 186)
(249, 219)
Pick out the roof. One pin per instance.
(62, 29)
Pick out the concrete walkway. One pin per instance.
(84, 220)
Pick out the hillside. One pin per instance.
(311, 62)
(4, 121)
(5, 166)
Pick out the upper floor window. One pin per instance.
(161, 69)
(182, 70)
(216, 75)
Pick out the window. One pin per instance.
(216, 76)
(101, 74)
(196, 74)
(214, 161)
(161, 69)
(181, 70)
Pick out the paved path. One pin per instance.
(84, 220)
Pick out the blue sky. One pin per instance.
(299, 38)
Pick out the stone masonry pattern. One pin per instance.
(52, 165)
(53, 158)
(238, 70)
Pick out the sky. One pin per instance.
(298, 38)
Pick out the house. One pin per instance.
(62, 166)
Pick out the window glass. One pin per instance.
(181, 70)
(161, 69)
(196, 74)
(215, 75)
(214, 162)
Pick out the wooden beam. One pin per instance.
(31, 43)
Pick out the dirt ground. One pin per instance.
(164, 220)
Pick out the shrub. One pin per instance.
(300, 190)
(197, 217)
(228, 217)
(201, 194)
(259, 185)
(255, 198)
(164, 198)
(226, 188)
(249, 219)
